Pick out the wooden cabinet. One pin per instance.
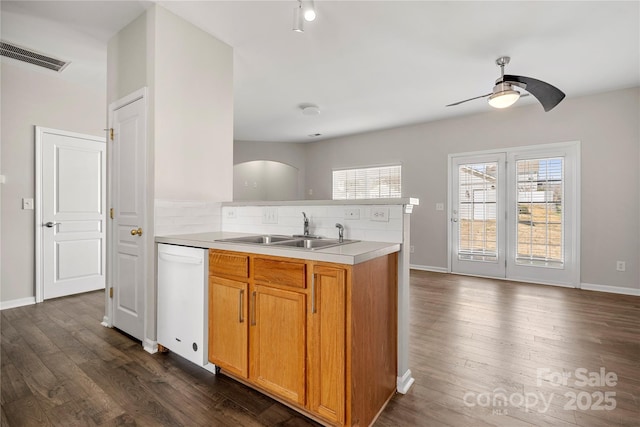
(278, 342)
(228, 332)
(318, 336)
(327, 343)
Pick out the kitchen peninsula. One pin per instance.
(311, 323)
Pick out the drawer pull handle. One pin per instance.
(241, 306)
(253, 309)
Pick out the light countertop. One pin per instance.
(351, 253)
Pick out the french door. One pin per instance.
(514, 214)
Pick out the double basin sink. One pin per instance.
(295, 242)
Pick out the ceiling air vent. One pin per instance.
(25, 55)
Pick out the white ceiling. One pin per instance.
(368, 65)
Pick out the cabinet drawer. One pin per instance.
(228, 263)
(286, 273)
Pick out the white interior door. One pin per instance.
(477, 215)
(70, 217)
(128, 197)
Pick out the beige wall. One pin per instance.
(193, 92)
(607, 125)
(292, 154)
(29, 98)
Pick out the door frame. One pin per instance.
(107, 321)
(39, 258)
(575, 225)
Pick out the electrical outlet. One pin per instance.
(412, 249)
(352, 213)
(269, 215)
(232, 214)
(621, 265)
(439, 206)
(379, 214)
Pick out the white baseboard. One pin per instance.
(150, 346)
(610, 289)
(20, 302)
(428, 268)
(404, 382)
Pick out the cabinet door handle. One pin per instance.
(253, 308)
(241, 306)
(313, 294)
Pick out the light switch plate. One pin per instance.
(27, 204)
(269, 215)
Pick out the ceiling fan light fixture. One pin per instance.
(503, 96)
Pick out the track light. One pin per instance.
(309, 10)
(305, 11)
(298, 22)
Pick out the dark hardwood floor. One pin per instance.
(483, 353)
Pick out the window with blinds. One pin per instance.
(368, 183)
(540, 211)
(477, 212)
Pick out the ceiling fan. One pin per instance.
(504, 95)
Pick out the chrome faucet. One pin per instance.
(306, 224)
(340, 232)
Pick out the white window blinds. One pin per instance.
(367, 183)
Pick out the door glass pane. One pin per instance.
(477, 185)
(540, 212)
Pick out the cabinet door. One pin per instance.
(278, 342)
(228, 340)
(327, 343)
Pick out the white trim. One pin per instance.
(404, 382)
(429, 268)
(150, 346)
(553, 146)
(610, 289)
(106, 322)
(20, 302)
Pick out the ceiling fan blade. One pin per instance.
(470, 99)
(548, 95)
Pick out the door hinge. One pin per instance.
(111, 292)
(111, 213)
(111, 133)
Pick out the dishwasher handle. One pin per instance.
(180, 258)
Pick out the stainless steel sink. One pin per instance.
(312, 244)
(257, 240)
(308, 242)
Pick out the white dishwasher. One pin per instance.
(182, 314)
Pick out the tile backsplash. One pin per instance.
(381, 223)
(184, 217)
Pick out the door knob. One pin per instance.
(138, 232)
(50, 224)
